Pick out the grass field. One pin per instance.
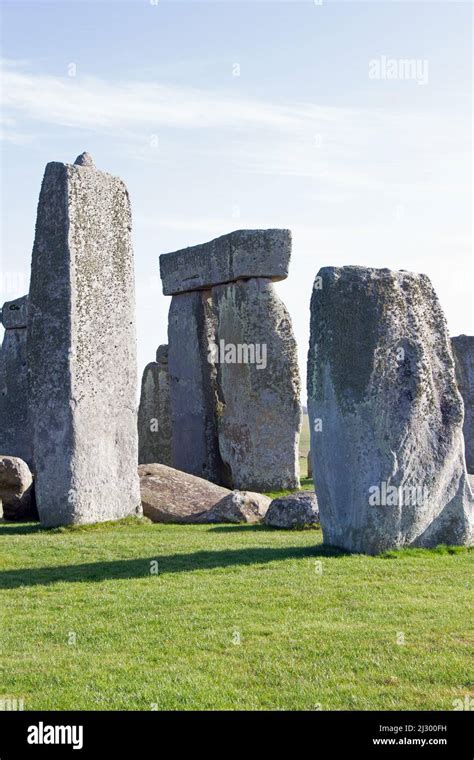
(237, 617)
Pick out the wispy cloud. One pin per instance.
(353, 150)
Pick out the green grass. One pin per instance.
(308, 639)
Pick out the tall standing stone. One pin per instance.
(259, 387)
(463, 350)
(154, 412)
(388, 457)
(81, 348)
(193, 386)
(15, 432)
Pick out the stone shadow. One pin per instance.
(167, 564)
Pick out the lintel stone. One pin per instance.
(239, 255)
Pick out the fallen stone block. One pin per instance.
(297, 510)
(237, 507)
(169, 495)
(17, 494)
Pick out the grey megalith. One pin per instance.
(463, 350)
(154, 412)
(388, 461)
(15, 432)
(81, 349)
(193, 386)
(239, 255)
(259, 390)
(233, 422)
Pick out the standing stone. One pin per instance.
(193, 389)
(15, 433)
(259, 412)
(463, 350)
(81, 349)
(154, 413)
(310, 464)
(388, 461)
(235, 421)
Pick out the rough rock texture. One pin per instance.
(259, 415)
(239, 255)
(81, 349)
(17, 493)
(298, 510)
(463, 350)
(237, 507)
(15, 432)
(193, 388)
(169, 495)
(310, 465)
(154, 412)
(381, 379)
(84, 159)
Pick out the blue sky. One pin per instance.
(363, 170)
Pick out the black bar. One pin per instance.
(155, 734)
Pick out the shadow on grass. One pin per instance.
(167, 564)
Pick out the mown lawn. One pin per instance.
(237, 617)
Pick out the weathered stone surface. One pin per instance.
(381, 380)
(237, 507)
(15, 313)
(169, 495)
(193, 389)
(463, 350)
(239, 255)
(81, 349)
(154, 412)
(84, 159)
(310, 465)
(259, 414)
(297, 510)
(15, 432)
(17, 494)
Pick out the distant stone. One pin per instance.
(15, 430)
(172, 496)
(84, 159)
(237, 507)
(259, 415)
(388, 457)
(239, 255)
(17, 490)
(154, 412)
(463, 350)
(298, 510)
(310, 465)
(15, 314)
